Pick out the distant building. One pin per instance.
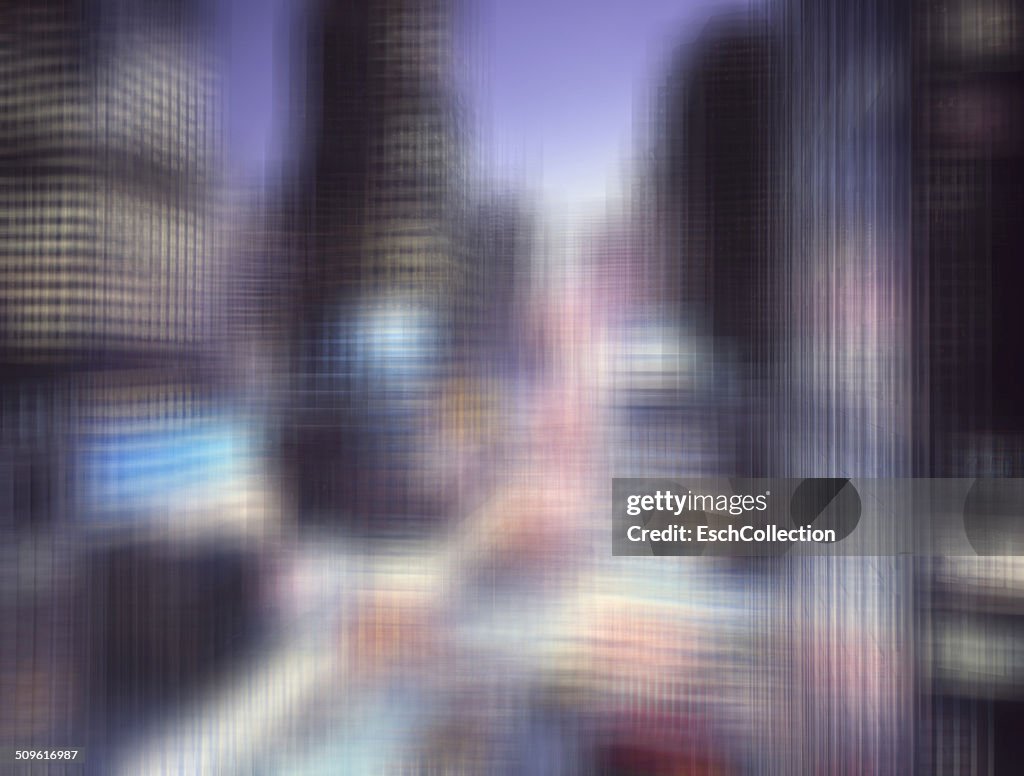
(499, 228)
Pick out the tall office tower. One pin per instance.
(412, 153)
(108, 179)
(968, 197)
(379, 183)
(329, 189)
(720, 205)
(718, 187)
(968, 168)
(108, 189)
(383, 273)
(109, 140)
(108, 133)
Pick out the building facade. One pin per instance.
(968, 191)
(719, 207)
(110, 133)
(383, 269)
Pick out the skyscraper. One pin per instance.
(108, 204)
(720, 213)
(110, 136)
(377, 186)
(968, 196)
(968, 177)
(718, 181)
(383, 265)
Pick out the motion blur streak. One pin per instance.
(326, 325)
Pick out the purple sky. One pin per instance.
(566, 79)
(559, 89)
(251, 31)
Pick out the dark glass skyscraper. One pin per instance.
(378, 184)
(719, 181)
(383, 266)
(969, 194)
(720, 213)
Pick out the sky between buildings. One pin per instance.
(561, 84)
